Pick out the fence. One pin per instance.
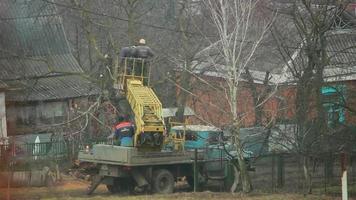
(27, 155)
(284, 172)
(22, 155)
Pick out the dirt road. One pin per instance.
(72, 189)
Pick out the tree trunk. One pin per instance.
(307, 176)
(245, 177)
(182, 98)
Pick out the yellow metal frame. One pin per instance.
(124, 75)
(143, 101)
(178, 139)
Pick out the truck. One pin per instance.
(158, 157)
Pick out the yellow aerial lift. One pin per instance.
(134, 82)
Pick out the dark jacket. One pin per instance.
(143, 52)
(128, 52)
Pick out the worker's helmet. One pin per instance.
(142, 41)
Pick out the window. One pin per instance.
(31, 116)
(191, 135)
(333, 101)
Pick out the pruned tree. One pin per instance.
(238, 38)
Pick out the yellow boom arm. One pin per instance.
(148, 113)
(144, 103)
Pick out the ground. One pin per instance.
(74, 189)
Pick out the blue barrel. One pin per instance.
(126, 142)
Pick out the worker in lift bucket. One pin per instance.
(135, 60)
(124, 131)
(143, 53)
(127, 56)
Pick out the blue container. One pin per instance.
(127, 142)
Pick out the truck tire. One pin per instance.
(95, 181)
(113, 189)
(190, 181)
(163, 181)
(121, 185)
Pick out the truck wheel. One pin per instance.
(201, 182)
(113, 189)
(163, 181)
(190, 181)
(96, 180)
(121, 185)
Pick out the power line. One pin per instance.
(175, 30)
(123, 19)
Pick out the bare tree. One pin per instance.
(306, 64)
(235, 30)
(189, 45)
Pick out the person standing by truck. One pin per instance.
(124, 131)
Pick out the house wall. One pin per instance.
(210, 104)
(36, 117)
(3, 129)
(351, 102)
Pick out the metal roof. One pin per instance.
(18, 68)
(3, 85)
(196, 128)
(51, 88)
(35, 57)
(171, 112)
(341, 48)
(26, 8)
(40, 36)
(33, 41)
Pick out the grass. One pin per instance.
(203, 195)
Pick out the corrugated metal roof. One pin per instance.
(171, 112)
(51, 88)
(17, 67)
(35, 57)
(196, 128)
(341, 48)
(3, 85)
(26, 8)
(32, 40)
(38, 36)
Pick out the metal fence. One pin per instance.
(29, 153)
(284, 172)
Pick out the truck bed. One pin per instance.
(130, 156)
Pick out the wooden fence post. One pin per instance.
(280, 170)
(273, 169)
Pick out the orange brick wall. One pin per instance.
(351, 102)
(211, 105)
